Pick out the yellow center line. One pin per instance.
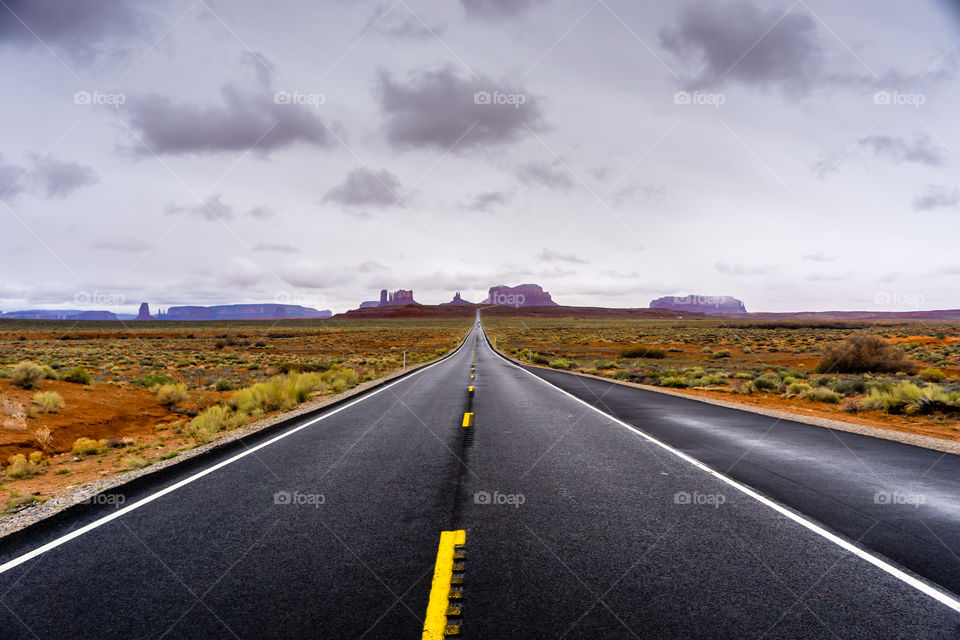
(468, 419)
(435, 625)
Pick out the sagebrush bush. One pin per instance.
(932, 374)
(766, 381)
(22, 467)
(77, 375)
(864, 354)
(643, 351)
(559, 363)
(822, 394)
(47, 401)
(908, 398)
(170, 395)
(26, 374)
(675, 382)
(87, 447)
(797, 390)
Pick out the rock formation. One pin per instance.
(243, 312)
(93, 315)
(144, 313)
(711, 305)
(457, 300)
(399, 297)
(523, 295)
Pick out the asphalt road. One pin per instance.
(576, 526)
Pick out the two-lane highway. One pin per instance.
(560, 521)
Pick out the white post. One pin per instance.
(404, 359)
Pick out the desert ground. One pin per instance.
(80, 401)
(771, 364)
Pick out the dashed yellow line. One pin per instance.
(447, 572)
(470, 390)
(467, 420)
(472, 377)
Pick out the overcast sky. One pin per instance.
(797, 155)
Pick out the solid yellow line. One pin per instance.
(468, 420)
(435, 622)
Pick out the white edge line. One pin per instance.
(919, 585)
(53, 544)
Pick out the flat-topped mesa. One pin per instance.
(522, 295)
(711, 305)
(457, 300)
(243, 312)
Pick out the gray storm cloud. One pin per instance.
(441, 110)
(497, 8)
(79, 28)
(363, 187)
(254, 119)
(739, 41)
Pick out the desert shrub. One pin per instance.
(864, 354)
(766, 381)
(152, 380)
(87, 447)
(26, 374)
(208, 422)
(22, 467)
(932, 375)
(47, 401)
(134, 462)
(224, 385)
(559, 363)
(675, 382)
(49, 372)
(909, 398)
(723, 353)
(170, 395)
(797, 390)
(536, 358)
(77, 375)
(709, 380)
(44, 438)
(643, 351)
(822, 394)
(848, 386)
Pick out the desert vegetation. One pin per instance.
(904, 376)
(83, 400)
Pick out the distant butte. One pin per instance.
(457, 300)
(522, 295)
(399, 297)
(710, 305)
